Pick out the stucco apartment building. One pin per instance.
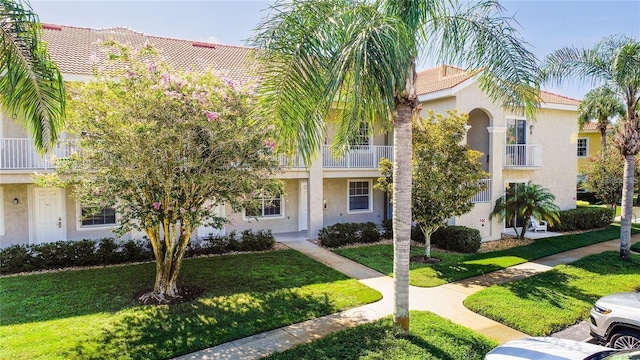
(330, 190)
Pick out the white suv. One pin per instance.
(615, 320)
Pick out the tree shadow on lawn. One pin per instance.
(155, 332)
(65, 294)
(431, 338)
(549, 286)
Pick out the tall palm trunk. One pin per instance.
(402, 151)
(628, 141)
(603, 140)
(627, 207)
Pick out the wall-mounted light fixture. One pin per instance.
(530, 129)
(16, 201)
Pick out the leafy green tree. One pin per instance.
(526, 201)
(164, 148)
(605, 176)
(31, 86)
(601, 104)
(614, 61)
(446, 173)
(357, 60)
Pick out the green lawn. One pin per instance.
(455, 267)
(432, 337)
(551, 301)
(90, 314)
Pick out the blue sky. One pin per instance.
(545, 25)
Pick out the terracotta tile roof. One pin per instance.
(551, 98)
(445, 77)
(77, 50)
(440, 78)
(590, 126)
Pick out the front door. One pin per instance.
(518, 220)
(517, 142)
(303, 207)
(48, 215)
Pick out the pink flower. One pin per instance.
(169, 208)
(212, 115)
(156, 205)
(183, 210)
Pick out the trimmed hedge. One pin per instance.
(636, 247)
(62, 254)
(457, 238)
(584, 218)
(348, 233)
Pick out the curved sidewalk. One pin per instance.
(445, 300)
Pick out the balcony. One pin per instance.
(20, 154)
(523, 156)
(483, 196)
(359, 157)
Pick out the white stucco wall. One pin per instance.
(554, 130)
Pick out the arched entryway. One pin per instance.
(478, 135)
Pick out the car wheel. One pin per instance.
(625, 339)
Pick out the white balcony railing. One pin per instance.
(359, 157)
(19, 153)
(291, 162)
(483, 196)
(523, 156)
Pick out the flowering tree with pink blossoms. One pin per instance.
(163, 148)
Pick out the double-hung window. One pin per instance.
(104, 217)
(360, 197)
(269, 207)
(583, 147)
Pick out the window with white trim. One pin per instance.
(360, 197)
(105, 217)
(583, 147)
(269, 207)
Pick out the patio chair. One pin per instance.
(537, 225)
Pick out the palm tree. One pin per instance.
(526, 201)
(614, 61)
(31, 86)
(357, 59)
(601, 104)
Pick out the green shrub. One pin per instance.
(256, 241)
(136, 250)
(636, 247)
(417, 234)
(387, 228)
(348, 233)
(583, 218)
(62, 254)
(368, 233)
(107, 252)
(16, 258)
(457, 238)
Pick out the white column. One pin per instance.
(496, 144)
(315, 196)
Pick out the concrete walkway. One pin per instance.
(445, 300)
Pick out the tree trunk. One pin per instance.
(603, 140)
(402, 153)
(627, 207)
(169, 246)
(427, 241)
